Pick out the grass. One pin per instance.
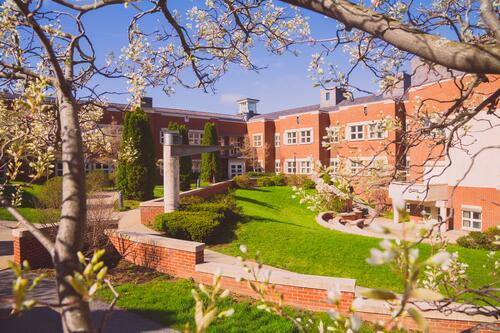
(170, 303)
(287, 236)
(34, 215)
(390, 215)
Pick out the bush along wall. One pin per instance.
(210, 162)
(186, 164)
(136, 167)
(201, 221)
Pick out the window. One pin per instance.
(471, 219)
(257, 140)
(277, 166)
(234, 144)
(408, 207)
(195, 137)
(104, 167)
(334, 163)
(291, 167)
(335, 134)
(222, 143)
(356, 132)
(88, 167)
(306, 136)
(277, 139)
(356, 167)
(375, 132)
(196, 165)
(327, 96)
(305, 167)
(235, 169)
(291, 138)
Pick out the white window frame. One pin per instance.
(291, 137)
(195, 137)
(335, 164)
(290, 167)
(277, 139)
(103, 167)
(310, 137)
(471, 219)
(236, 164)
(260, 166)
(359, 166)
(257, 143)
(234, 144)
(305, 167)
(277, 166)
(335, 134)
(357, 132)
(162, 135)
(376, 134)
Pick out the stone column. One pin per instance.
(170, 181)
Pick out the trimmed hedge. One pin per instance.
(243, 181)
(199, 220)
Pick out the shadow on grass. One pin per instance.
(248, 218)
(255, 202)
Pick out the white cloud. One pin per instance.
(229, 99)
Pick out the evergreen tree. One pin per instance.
(210, 162)
(186, 165)
(136, 172)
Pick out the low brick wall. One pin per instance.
(149, 209)
(186, 260)
(27, 247)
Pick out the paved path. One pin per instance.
(43, 319)
(130, 220)
(6, 243)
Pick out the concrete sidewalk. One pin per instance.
(43, 319)
(6, 243)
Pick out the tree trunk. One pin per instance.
(76, 314)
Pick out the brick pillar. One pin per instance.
(27, 247)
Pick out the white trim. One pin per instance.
(472, 208)
(277, 166)
(261, 140)
(285, 136)
(277, 143)
(300, 130)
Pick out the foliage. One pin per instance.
(200, 220)
(487, 240)
(243, 181)
(278, 179)
(265, 181)
(210, 162)
(97, 180)
(188, 225)
(21, 286)
(185, 167)
(136, 168)
(257, 174)
(302, 181)
(50, 195)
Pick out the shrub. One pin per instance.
(199, 219)
(136, 175)
(279, 179)
(51, 193)
(265, 181)
(257, 174)
(243, 181)
(185, 182)
(481, 240)
(300, 181)
(210, 162)
(97, 180)
(196, 226)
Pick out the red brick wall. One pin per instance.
(27, 247)
(148, 213)
(487, 198)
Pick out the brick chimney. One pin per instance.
(331, 97)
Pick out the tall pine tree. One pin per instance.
(210, 162)
(136, 173)
(186, 164)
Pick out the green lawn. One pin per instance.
(287, 236)
(169, 302)
(34, 215)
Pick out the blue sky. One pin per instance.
(283, 84)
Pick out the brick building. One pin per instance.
(291, 142)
